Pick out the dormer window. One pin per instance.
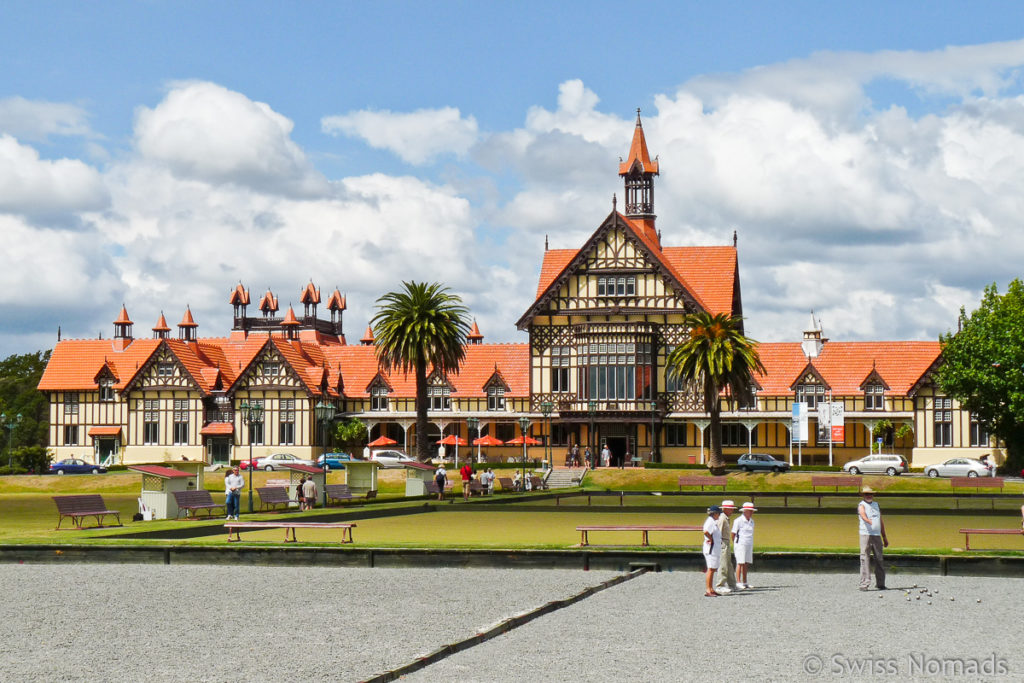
(379, 397)
(874, 397)
(107, 390)
(440, 398)
(616, 286)
(496, 397)
(811, 394)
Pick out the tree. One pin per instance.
(983, 367)
(419, 326)
(350, 434)
(716, 356)
(19, 377)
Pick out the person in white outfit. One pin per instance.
(712, 549)
(743, 538)
(726, 571)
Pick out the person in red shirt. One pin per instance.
(467, 475)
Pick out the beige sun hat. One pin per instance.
(728, 504)
(749, 506)
(867, 489)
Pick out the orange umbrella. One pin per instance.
(453, 440)
(488, 441)
(381, 441)
(520, 440)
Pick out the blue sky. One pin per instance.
(159, 152)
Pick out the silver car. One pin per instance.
(960, 467)
(271, 462)
(878, 463)
(391, 458)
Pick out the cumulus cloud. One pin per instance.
(34, 186)
(38, 120)
(204, 131)
(416, 137)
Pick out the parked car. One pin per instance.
(334, 461)
(271, 462)
(878, 463)
(245, 463)
(76, 466)
(750, 462)
(960, 467)
(391, 458)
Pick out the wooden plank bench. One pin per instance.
(506, 484)
(83, 505)
(835, 481)
(976, 483)
(1000, 532)
(537, 484)
(191, 501)
(703, 481)
(273, 495)
(477, 488)
(644, 530)
(342, 492)
(289, 527)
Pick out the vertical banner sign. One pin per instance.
(838, 423)
(824, 422)
(799, 428)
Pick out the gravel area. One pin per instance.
(224, 623)
(659, 627)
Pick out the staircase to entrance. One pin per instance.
(565, 477)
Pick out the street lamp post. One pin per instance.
(9, 424)
(524, 424)
(252, 414)
(473, 423)
(324, 415)
(654, 408)
(591, 409)
(545, 409)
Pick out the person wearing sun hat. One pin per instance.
(872, 540)
(712, 545)
(743, 538)
(726, 571)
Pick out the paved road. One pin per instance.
(136, 622)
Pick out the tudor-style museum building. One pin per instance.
(605, 317)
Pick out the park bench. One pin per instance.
(835, 481)
(477, 488)
(1000, 532)
(703, 481)
(342, 492)
(83, 505)
(506, 484)
(644, 530)
(273, 495)
(191, 501)
(289, 528)
(537, 484)
(976, 483)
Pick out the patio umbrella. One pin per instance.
(381, 441)
(520, 440)
(454, 440)
(488, 441)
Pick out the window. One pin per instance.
(616, 371)
(733, 435)
(495, 397)
(979, 435)
(874, 395)
(378, 397)
(675, 434)
(560, 358)
(616, 286)
(181, 422)
(271, 368)
(287, 422)
(150, 422)
(70, 435)
(440, 398)
(165, 369)
(811, 394)
(943, 422)
(562, 435)
(506, 431)
(71, 404)
(107, 390)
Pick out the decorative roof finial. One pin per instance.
(545, 242)
(614, 201)
(734, 239)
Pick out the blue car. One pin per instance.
(76, 466)
(335, 461)
(752, 462)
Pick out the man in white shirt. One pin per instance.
(726, 576)
(712, 548)
(872, 540)
(233, 484)
(743, 538)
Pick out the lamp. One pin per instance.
(473, 423)
(524, 424)
(591, 409)
(545, 409)
(324, 414)
(252, 414)
(9, 424)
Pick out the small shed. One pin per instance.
(417, 474)
(361, 475)
(158, 486)
(193, 467)
(299, 471)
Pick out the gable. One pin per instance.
(269, 369)
(163, 370)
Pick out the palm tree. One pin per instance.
(717, 355)
(419, 326)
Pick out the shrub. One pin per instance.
(33, 458)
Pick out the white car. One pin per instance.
(391, 458)
(277, 460)
(960, 467)
(879, 463)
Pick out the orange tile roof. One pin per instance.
(310, 295)
(475, 332)
(239, 296)
(638, 152)
(268, 302)
(368, 335)
(75, 363)
(218, 429)
(105, 430)
(160, 471)
(845, 365)
(289, 318)
(336, 302)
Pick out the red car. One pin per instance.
(245, 463)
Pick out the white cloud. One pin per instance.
(416, 137)
(205, 131)
(30, 185)
(37, 120)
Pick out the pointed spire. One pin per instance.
(289, 317)
(474, 336)
(161, 329)
(367, 339)
(187, 326)
(735, 239)
(336, 302)
(123, 318)
(268, 304)
(638, 152)
(123, 329)
(187, 320)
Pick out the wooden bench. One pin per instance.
(537, 484)
(836, 481)
(237, 527)
(644, 529)
(431, 487)
(703, 481)
(1000, 532)
(83, 505)
(200, 499)
(273, 495)
(342, 492)
(477, 488)
(506, 484)
(976, 483)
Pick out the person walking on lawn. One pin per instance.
(467, 476)
(712, 548)
(872, 540)
(441, 479)
(233, 484)
(309, 493)
(726, 571)
(743, 540)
